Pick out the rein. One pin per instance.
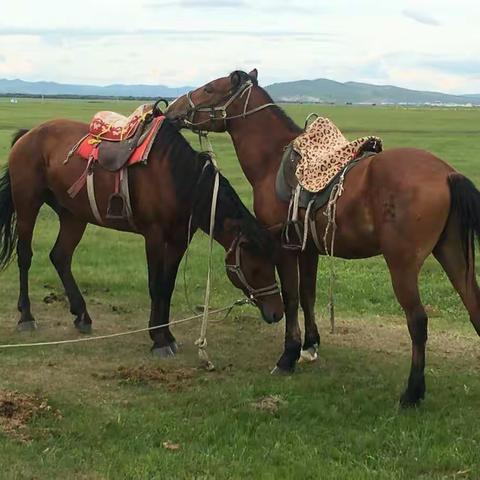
(246, 88)
(254, 293)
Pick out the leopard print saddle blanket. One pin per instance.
(322, 152)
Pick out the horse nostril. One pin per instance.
(277, 317)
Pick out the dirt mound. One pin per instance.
(17, 409)
(173, 379)
(269, 403)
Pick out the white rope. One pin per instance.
(331, 214)
(201, 342)
(119, 334)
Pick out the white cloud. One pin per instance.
(420, 17)
(188, 42)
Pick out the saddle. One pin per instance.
(312, 166)
(116, 142)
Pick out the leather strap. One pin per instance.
(125, 190)
(91, 198)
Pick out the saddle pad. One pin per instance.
(114, 127)
(324, 152)
(90, 143)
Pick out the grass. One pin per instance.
(337, 418)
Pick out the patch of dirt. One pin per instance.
(269, 403)
(17, 409)
(175, 379)
(390, 336)
(53, 297)
(168, 445)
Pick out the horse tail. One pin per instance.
(8, 224)
(465, 202)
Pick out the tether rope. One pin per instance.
(130, 332)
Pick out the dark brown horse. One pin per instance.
(163, 193)
(403, 204)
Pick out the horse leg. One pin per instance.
(163, 261)
(174, 255)
(69, 236)
(449, 253)
(308, 264)
(27, 212)
(288, 272)
(405, 284)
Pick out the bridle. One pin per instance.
(253, 293)
(219, 112)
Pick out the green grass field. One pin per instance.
(337, 418)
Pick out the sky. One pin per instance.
(422, 44)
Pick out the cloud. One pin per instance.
(420, 17)
(198, 4)
(3, 59)
(86, 33)
(459, 66)
(281, 7)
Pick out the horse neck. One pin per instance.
(259, 140)
(224, 238)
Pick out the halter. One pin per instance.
(244, 89)
(253, 293)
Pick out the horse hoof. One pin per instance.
(280, 372)
(406, 401)
(308, 355)
(163, 352)
(84, 327)
(174, 347)
(28, 326)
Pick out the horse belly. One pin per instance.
(355, 235)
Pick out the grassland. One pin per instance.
(337, 418)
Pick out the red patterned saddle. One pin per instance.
(115, 127)
(115, 142)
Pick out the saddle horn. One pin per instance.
(155, 110)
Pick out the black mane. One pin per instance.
(193, 175)
(281, 114)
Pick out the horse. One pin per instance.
(175, 184)
(403, 203)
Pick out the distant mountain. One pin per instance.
(321, 90)
(324, 90)
(21, 87)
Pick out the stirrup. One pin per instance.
(117, 207)
(292, 235)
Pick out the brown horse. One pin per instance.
(402, 203)
(164, 192)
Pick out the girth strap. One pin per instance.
(91, 197)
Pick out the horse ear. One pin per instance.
(235, 79)
(253, 74)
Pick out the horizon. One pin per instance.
(195, 86)
(392, 43)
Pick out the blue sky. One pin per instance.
(424, 44)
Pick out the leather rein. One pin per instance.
(214, 110)
(253, 293)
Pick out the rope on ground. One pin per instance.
(228, 308)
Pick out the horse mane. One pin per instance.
(281, 114)
(194, 175)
